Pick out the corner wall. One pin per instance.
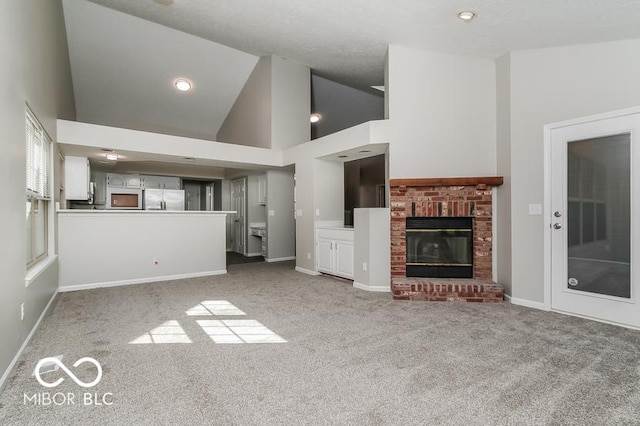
(249, 120)
(502, 212)
(547, 86)
(34, 51)
(272, 110)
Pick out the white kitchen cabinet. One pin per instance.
(133, 181)
(160, 182)
(76, 178)
(344, 258)
(262, 190)
(115, 180)
(334, 254)
(325, 256)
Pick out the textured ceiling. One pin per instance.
(347, 40)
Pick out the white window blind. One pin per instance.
(38, 147)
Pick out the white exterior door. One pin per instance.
(594, 200)
(238, 203)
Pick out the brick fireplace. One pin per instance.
(468, 197)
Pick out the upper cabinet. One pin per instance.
(76, 178)
(124, 181)
(160, 182)
(262, 190)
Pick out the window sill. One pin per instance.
(36, 270)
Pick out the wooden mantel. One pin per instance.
(450, 181)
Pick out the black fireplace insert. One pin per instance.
(439, 247)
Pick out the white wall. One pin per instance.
(305, 224)
(157, 147)
(443, 114)
(290, 103)
(36, 70)
(281, 227)
(249, 121)
(319, 197)
(550, 85)
(124, 245)
(273, 108)
(502, 212)
(372, 246)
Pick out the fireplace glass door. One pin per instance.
(439, 247)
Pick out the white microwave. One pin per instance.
(124, 198)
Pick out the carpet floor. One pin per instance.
(267, 345)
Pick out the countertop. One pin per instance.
(142, 212)
(338, 228)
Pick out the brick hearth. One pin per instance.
(446, 197)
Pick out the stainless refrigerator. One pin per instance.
(164, 199)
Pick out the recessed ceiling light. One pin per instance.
(112, 157)
(315, 117)
(343, 156)
(106, 150)
(182, 84)
(467, 15)
(364, 151)
(189, 158)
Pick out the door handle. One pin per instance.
(557, 225)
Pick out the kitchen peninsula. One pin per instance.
(104, 248)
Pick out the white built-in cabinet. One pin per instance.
(262, 190)
(335, 251)
(76, 178)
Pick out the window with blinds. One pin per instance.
(38, 175)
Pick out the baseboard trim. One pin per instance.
(11, 366)
(253, 254)
(91, 286)
(374, 288)
(527, 303)
(307, 271)
(280, 259)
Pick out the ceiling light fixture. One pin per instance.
(182, 84)
(189, 158)
(364, 151)
(343, 156)
(467, 15)
(315, 117)
(112, 157)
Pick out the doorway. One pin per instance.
(238, 204)
(592, 234)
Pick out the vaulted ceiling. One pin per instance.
(126, 54)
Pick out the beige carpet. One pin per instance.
(350, 357)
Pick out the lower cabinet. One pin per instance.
(334, 252)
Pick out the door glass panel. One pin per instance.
(599, 215)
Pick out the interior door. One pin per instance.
(594, 204)
(238, 203)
